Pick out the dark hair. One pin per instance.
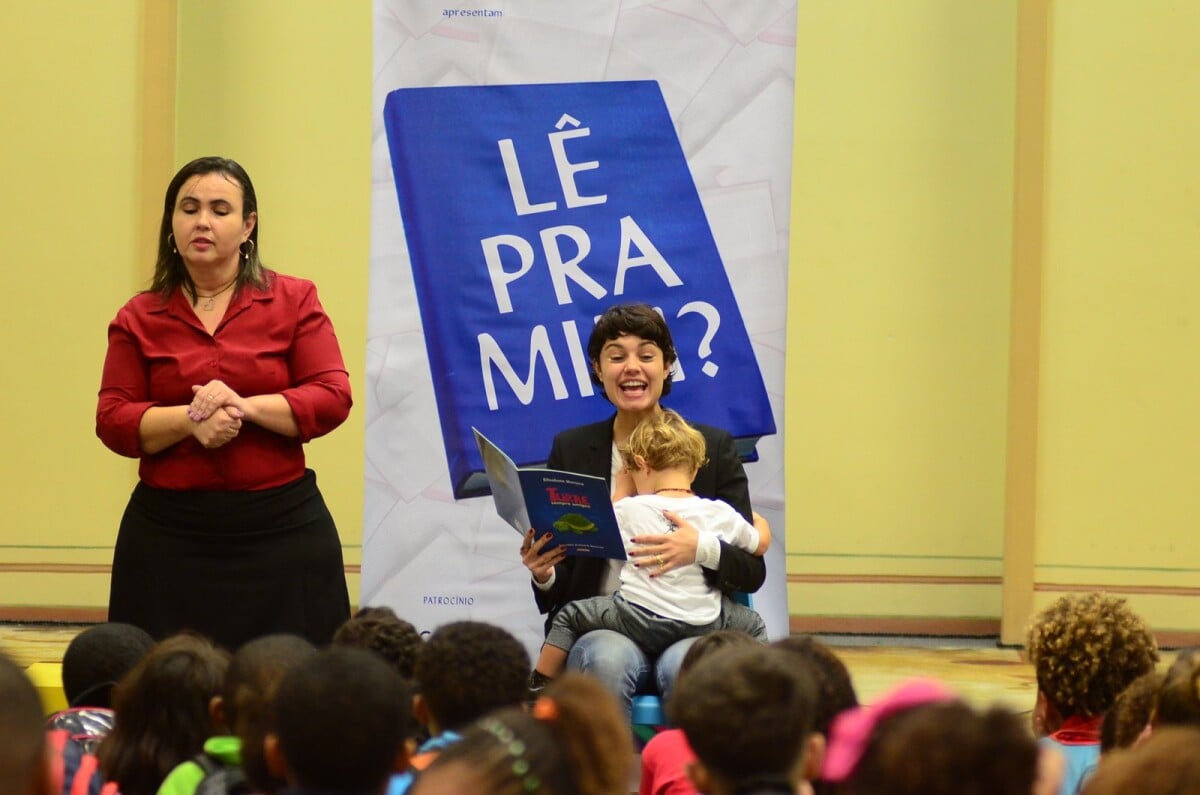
(380, 630)
(835, 690)
(638, 320)
(249, 690)
(21, 726)
(1086, 649)
(1130, 713)
(341, 717)
(1167, 763)
(162, 716)
(97, 658)
(747, 712)
(169, 270)
(575, 742)
(466, 669)
(1178, 702)
(947, 748)
(712, 642)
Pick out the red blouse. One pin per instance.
(272, 340)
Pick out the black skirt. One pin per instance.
(230, 565)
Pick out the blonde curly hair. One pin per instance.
(1085, 649)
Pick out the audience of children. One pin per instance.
(747, 713)
(162, 713)
(666, 756)
(1129, 716)
(465, 670)
(1085, 650)
(95, 660)
(574, 741)
(656, 606)
(340, 722)
(380, 630)
(232, 759)
(282, 717)
(24, 761)
(1165, 763)
(920, 739)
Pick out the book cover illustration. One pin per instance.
(577, 509)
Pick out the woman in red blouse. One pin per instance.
(215, 377)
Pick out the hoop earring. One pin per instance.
(171, 242)
(246, 253)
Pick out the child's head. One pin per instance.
(24, 768)
(835, 690)
(1086, 649)
(380, 630)
(340, 717)
(97, 658)
(940, 747)
(747, 712)
(1178, 702)
(664, 441)
(246, 698)
(162, 712)
(1167, 763)
(1129, 715)
(575, 741)
(711, 643)
(465, 670)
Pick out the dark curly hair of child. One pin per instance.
(380, 630)
(1086, 649)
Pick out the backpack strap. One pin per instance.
(88, 766)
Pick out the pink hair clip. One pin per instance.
(852, 730)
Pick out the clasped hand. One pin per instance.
(216, 412)
(667, 551)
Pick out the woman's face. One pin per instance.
(632, 371)
(208, 224)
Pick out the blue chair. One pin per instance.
(647, 715)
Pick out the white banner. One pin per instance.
(725, 70)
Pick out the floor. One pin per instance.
(976, 668)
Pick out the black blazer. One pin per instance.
(587, 449)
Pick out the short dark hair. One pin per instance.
(638, 320)
(1178, 702)
(249, 690)
(97, 658)
(835, 690)
(466, 669)
(1130, 713)
(169, 270)
(21, 727)
(747, 712)
(341, 717)
(380, 630)
(1167, 763)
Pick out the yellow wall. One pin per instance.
(70, 144)
(899, 295)
(898, 320)
(284, 88)
(1119, 446)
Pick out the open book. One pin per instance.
(577, 509)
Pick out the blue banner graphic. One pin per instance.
(528, 210)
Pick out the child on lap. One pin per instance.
(655, 605)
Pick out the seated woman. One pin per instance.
(631, 354)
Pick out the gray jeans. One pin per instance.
(650, 631)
